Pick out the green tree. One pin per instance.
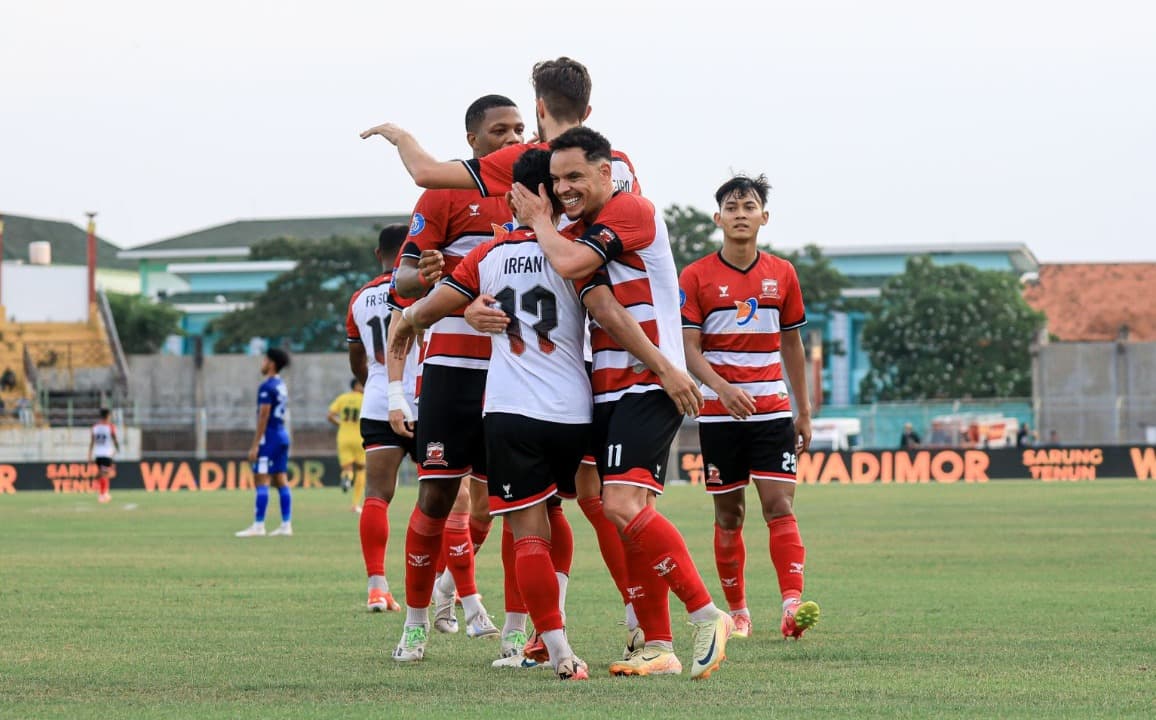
(141, 323)
(821, 281)
(949, 332)
(691, 234)
(304, 307)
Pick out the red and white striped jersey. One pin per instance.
(494, 173)
(537, 369)
(741, 313)
(455, 222)
(630, 237)
(367, 322)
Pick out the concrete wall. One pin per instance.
(1095, 392)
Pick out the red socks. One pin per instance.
(538, 583)
(663, 547)
(730, 557)
(649, 594)
(514, 602)
(423, 544)
(788, 555)
(561, 540)
(610, 543)
(374, 528)
(479, 531)
(460, 553)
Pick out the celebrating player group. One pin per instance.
(535, 314)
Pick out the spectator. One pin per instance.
(910, 439)
(23, 411)
(8, 380)
(1026, 437)
(1053, 437)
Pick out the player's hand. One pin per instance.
(252, 453)
(802, 433)
(403, 338)
(400, 425)
(484, 318)
(389, 131)
(530, 207)
(429, 266)
(737, 401)
(683, 390)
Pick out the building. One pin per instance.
(208, 273)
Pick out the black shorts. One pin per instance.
(379, 434)
(103, 462)
(450, 437)
(632, 437)
(734, 452)
(531, 460)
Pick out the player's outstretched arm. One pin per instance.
(793, 363)
(738, 402)
(617, 320)
(569, 259)
(415, 277)
(426, 170)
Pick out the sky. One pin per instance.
(886, 122)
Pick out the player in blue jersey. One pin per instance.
(269, 452)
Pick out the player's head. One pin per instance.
(389, 242)
(275, 361)
(580, 171)
(104, 413)
(562, 91)
(742, 207)
(533, 170)
(493, 122)
(356, 386)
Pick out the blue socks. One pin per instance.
(286, 503)
(262, 502)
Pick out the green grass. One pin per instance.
(997, 600)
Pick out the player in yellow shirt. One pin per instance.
(345, 413)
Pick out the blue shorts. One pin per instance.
(272, 458)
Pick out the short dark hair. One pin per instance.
(564, 86)
(590, 142)
(533, 169)
(104, 413)
(353, 383)
(477, 109)
(278, 357)
(742, 185)
(389, 240)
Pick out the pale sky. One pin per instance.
(880, 122)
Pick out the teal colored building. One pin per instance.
(867, 268)
(208, 273)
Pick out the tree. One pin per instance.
(304, 307)
(949, 332)
(821, 282)
(141, 323)
(691, 234)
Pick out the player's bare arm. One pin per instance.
(572, 260)
(333, 418)
(415, 277)
(423, 313)
(91, 443)
(737, 401)
(481, 316)
(262, 423)
(625, 330)
(793, 363)
(400, 412)
(426, 170)
(358, 362)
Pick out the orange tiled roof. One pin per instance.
(1087, 302)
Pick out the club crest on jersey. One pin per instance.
(435, 454)
(712, 475)
(746, 311)
(606, 237)
(417, 224)
(770, 288)
(681, 297)
(474, 212)
(724, 290)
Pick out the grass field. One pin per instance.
(997, 600)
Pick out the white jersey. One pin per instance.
(367, 322)
(536, 370)
(103, 440)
